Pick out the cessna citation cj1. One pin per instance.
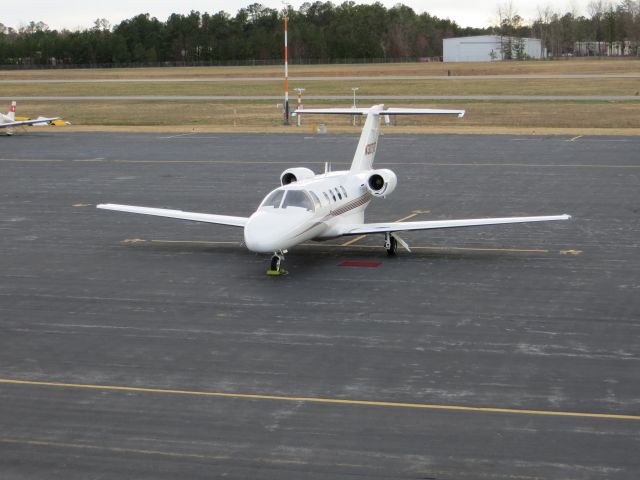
(319, 207)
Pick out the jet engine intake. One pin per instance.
(382, 182)
(295, 175)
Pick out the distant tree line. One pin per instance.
(606, 23)
(320, 31)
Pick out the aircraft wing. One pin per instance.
(28, 122)
(179, 214)
(435, 224)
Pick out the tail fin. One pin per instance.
(12, 111)
(366, 150)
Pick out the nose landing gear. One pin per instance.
(275, 268)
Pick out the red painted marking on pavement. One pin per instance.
(359, 264)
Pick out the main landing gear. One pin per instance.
(275, 268)
(391, 242)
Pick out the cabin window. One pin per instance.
(333, 195)
(299, 199)
(326, 196)
(273, 199)
(339, 194)
(344, 191)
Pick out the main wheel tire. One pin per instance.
(393, 247)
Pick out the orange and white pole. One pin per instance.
(286, 73)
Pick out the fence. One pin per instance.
(222, 63)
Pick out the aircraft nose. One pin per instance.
(261, 233)
(268, 232)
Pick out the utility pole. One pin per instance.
(286, 69)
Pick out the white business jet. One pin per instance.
(9, 121)
(319, 207)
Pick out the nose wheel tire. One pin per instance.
(275, 268)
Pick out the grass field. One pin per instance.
(561, 86)
(556, 67)
(537, 116)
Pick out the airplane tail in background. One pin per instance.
(12, 111)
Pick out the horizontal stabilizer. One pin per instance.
(388, 111)
(436, 224)
(179, 214)
(367, 145)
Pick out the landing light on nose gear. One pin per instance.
(275, 268)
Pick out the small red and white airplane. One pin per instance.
(309, 206)
(9, 121)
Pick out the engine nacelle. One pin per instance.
(382, 182)
(295, 175)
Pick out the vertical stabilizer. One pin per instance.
(12, 111)
(367, 146)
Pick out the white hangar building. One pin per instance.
(486, 48)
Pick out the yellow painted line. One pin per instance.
(353, 240)
(43, 443)
(80, 205)
(441, 249)
(479, 249)
(575, 138)
(219, 162)
(32, 160)
(360, 237)
(362, 247)
(194, 242)
(329, 401)
(160, 453)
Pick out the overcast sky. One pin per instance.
(73, 14)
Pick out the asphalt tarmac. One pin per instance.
(148, 348)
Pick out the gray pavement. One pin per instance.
(96, 308)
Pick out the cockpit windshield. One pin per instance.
(289, 198)
(298, 198)
(274, 199)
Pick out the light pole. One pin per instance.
(355, 89)
(299, 90)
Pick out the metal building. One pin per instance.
(487, 48)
